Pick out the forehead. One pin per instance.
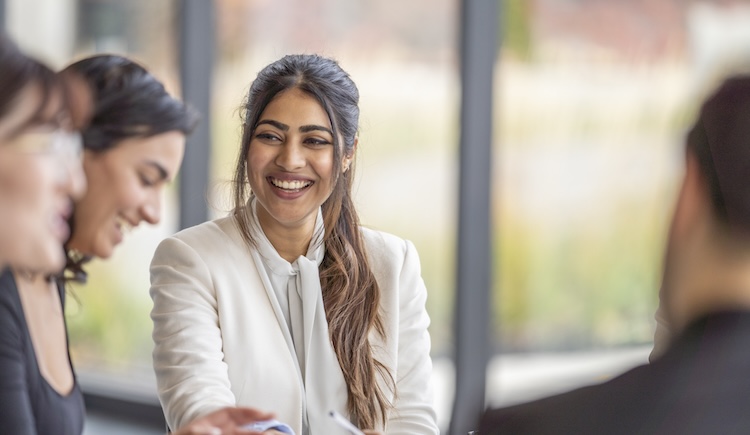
(164, 149)
(31, 108)
(296, 107)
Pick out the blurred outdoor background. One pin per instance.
(592, 100)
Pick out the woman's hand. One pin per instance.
(225, 421)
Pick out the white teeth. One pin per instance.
(124, 225)
(290, 185)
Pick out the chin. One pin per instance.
(45, 261)
(104, 252)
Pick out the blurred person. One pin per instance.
(288, 301)
(133, 145)
(40, 176)
(40, 168)
(700, 383)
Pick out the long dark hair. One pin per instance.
(128, 102)
(350, 293)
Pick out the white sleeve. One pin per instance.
(414, 412)
(192, 378)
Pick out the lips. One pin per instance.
(60, 227)
(60, 224)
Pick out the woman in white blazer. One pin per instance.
(288, 304)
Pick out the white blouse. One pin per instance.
(300, 299)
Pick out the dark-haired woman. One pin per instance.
(288, 302)
(132, 147)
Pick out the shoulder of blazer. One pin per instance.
(381, 243)
(216, 232)
(385, 251)
(214, 241)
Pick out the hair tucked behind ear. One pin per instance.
(350, 293)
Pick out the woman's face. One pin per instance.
(40, 175)
(290, 161)
(125, 187)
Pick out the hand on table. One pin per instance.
(225, 421)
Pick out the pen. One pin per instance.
(346, 424)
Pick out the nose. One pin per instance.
(151, 208)
(291, 156)
(67, 148)
(73, 177)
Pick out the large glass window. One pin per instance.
(593, 102)
(592, 99)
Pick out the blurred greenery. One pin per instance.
(591, 285)
(516, 29)
(108, 319)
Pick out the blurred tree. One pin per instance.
(516, 29)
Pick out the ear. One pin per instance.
(347, 160)
(694, 202)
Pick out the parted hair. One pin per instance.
(350, 292)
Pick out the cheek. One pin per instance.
(108, 196)
(324, 167)
(27, 184)
(256, 161)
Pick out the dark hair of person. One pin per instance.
(128, 102)
(350, 293)
(17, 73)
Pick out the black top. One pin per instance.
(701, 385)
(28, 404)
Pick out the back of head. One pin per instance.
(720, 140)
(128, 102)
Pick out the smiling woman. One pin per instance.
(39, 176)
(39, 168)
(132, 148)
(289, 302)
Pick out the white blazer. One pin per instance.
(220, 341)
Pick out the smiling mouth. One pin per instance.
(123, 225)
(290, 186)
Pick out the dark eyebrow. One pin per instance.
(303, 129)
(162, 172)
(309, 128)
(277, 124)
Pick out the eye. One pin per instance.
(147, 181)
(268, 137)
(317, 141)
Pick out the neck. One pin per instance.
(289, 242)
(716, 280)
(32, 279)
